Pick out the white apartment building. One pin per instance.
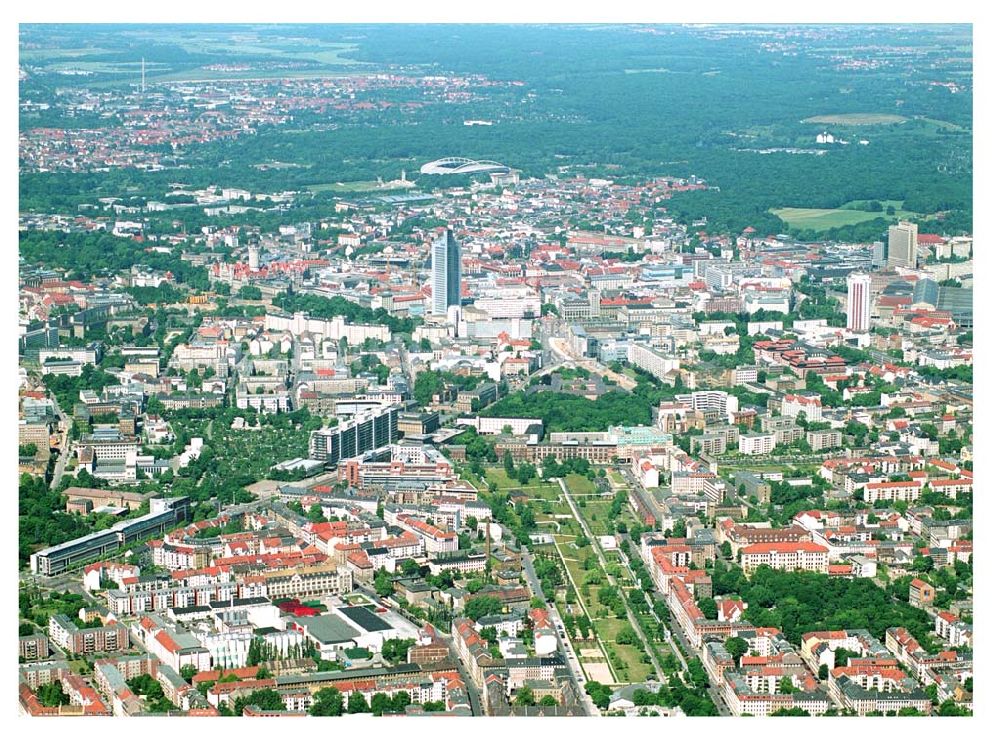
(716, 401)
(786, 556)
(333, 328)
(756, 443)
(652, 361)
(904, 490)
(825, 439)
(792, 405)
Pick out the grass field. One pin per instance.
(208, 75)
(579, 485)
(821, 219)
(857, 119)
(345, 186)
(941, 124)
(33, 55)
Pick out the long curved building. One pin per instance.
(459, 165)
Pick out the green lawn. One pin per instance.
(535, 488)
(941, 124)
(579, 485)
(498, 476)
(821, 219)
(635, 670)
(345, 186)
(857, 119)
(595, 513)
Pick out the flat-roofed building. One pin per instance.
(824, 439)
(110, 638)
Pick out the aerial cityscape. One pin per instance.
(495, 370)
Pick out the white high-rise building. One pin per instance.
(859, 302)
(903, 245)
(446, 274)
(253, 255)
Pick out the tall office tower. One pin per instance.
(903, 245)
(594, 302)
(253, 254)
(446, 274)
(859, 302)
(879, 251)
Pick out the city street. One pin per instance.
(64, 450)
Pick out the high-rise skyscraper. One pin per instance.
(859, 299)
(880, 250)
(446, 274)
(903, 245)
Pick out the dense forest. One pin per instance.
(628, 102)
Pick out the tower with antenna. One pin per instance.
(488, 550)
(142, 84)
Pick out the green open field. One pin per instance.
(345, 186)
(33, 55)
(856, 119)
(940, 124)
(821, 219)
(208, 75)
(579, 485)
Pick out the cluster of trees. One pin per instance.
(962, 373)
(266, 699)
(394, 651)
(67, 389)
(835, 398)
(320, 307)
(478, 449)
(526, 697)
(164, 294)
(610, 597)
(429, 383)
(52, 695)
(799, 602)
(483, 605)
(42, 520)
(550, 575)
(692, 698)
(950, 583)
(260, 651)
(568, 412)
(152, 692)
(370, 363)
(574, 465)
(579, 625)
(523, 472)
(382, 582)
(87, 254)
